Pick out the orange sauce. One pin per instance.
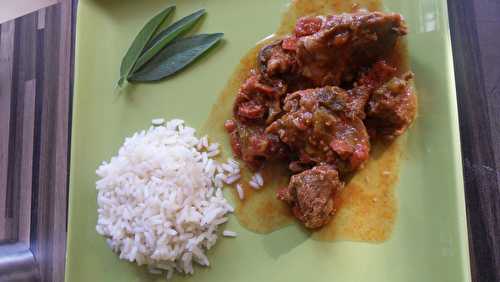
(366, 208)
(260, 211)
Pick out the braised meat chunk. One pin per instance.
(257, 104)
(258, 100)
(316, 100)
(378, 74)
(251, 144)
(392, 108)
(329, 50)
(346, 42)
(323, 127)
(277, 62)
(311, 195)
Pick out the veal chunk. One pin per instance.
(258, 100)
(311, 194)
(278, 62)
(391, 108)
(251, 144)
(257, 104)
(346, 42)
(323, 126)
(329, 50)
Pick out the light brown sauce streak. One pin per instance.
(366, 207)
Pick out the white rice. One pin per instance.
(253, 184)
(202, 143)
(160, 200)
(213, 147)
(232, 178)
(241, 193)
(257, 181)
(158, 121)
(212, 154)
(227, 167)
(233, 163)
(228, 233)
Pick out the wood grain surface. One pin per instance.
(476, 49)
(35, 98)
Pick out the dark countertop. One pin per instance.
(36, 70)
(475, 27)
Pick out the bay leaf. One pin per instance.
(140, 41)
(166, 36)
(175, 57)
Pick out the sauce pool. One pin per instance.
(366, 208)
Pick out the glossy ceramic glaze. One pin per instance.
(429, 238)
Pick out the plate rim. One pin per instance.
(457, 164)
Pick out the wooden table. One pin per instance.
(36, 70)
(475, 26)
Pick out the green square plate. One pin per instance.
(429, 240)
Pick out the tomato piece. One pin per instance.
(307, 26)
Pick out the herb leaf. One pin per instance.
(140, 42)
(179, 26)
(166, 36)
(175, 57)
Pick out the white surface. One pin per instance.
(11, 9)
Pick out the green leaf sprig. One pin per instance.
(156, 54)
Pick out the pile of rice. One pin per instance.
(160, 200)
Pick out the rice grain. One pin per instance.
(160, 200)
